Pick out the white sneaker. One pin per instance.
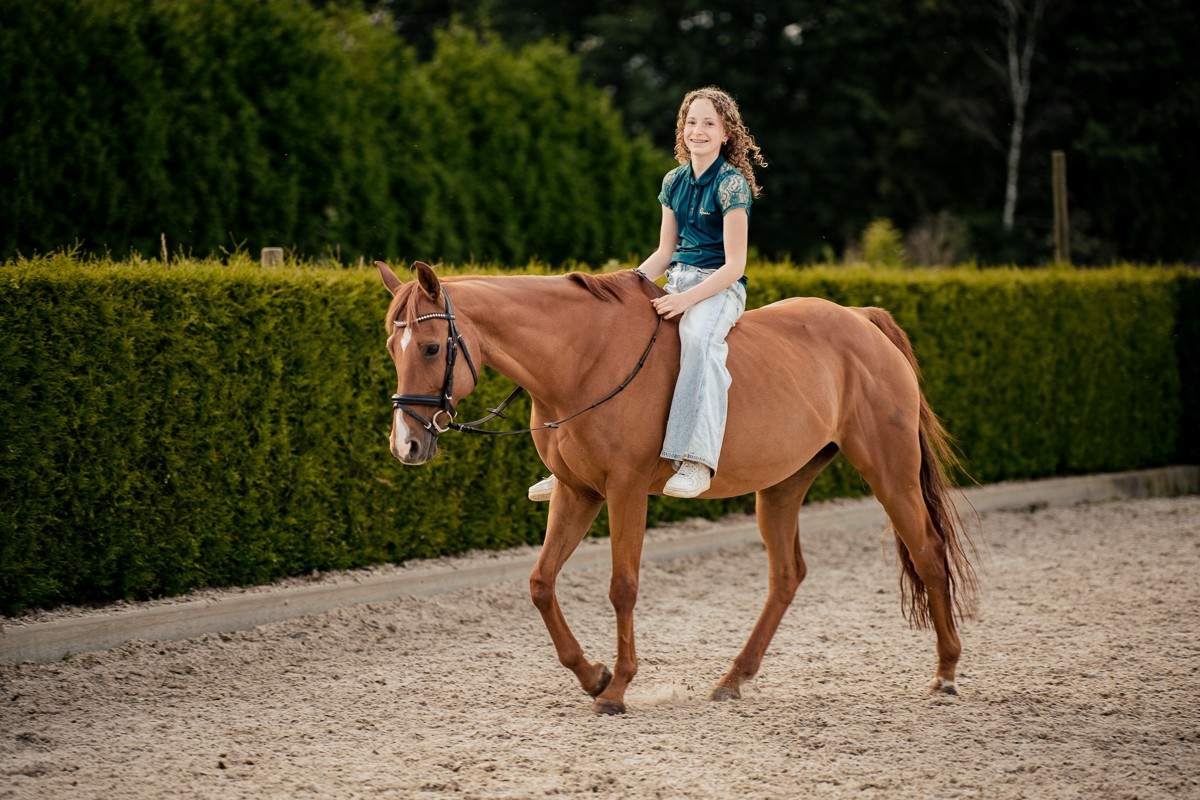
(691, 479)
(540, 491)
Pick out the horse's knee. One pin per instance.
(784, 586)
(784, 594)
(542, 592)
(622, 591)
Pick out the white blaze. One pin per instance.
(400, 432)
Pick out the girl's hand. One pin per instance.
(672, 305)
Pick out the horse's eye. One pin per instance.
(431, 350)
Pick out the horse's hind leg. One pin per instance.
(892, 468)
(777, 509)
(927, 554)
(571, 515)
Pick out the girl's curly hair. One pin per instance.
(740, 150)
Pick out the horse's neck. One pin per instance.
(537, 332)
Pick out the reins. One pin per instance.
(445, 406)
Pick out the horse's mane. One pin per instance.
(610, 286)
(617, 286)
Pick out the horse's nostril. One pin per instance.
(412, 450)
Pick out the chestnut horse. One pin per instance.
(810, 379)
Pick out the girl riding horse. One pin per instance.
(702, 246)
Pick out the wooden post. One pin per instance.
(1062, 228)
(272, 256)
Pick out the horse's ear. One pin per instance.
(427, 279)
(390, 280)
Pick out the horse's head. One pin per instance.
(431, 359)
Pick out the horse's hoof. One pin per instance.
(602, 684)
(608, 707)
(722, 693)
(941, 686)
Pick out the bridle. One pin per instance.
(444, 401)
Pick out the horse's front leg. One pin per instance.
(571, 514)
(627, 529)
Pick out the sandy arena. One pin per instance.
(1079, 679)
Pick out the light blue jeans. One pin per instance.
(696, 425)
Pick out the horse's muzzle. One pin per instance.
(411, 444)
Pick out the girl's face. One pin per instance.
(703, 130)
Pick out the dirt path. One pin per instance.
(1081, 679)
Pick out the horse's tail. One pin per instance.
(938, 460)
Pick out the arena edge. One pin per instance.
(215, 424)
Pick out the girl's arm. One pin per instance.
(668, 236)
(736, 227)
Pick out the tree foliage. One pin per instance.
(238, 123)
(897, 110)
(501, 129)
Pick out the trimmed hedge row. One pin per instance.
(1039, 373)
(215, 424)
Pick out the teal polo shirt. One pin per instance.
(700, 205)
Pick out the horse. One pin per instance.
(810, 379)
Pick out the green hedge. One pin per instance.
(1036, 373)
(206, 424)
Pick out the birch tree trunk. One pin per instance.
(1020, 60)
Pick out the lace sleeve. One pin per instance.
(668, 184)
(734, 192)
